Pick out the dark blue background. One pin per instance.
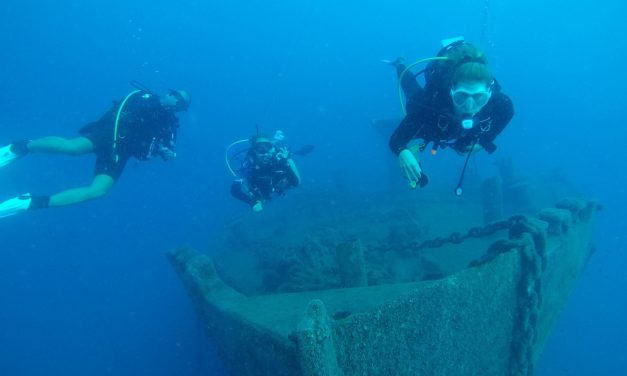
(86, 289)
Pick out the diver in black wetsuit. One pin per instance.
(461, 106)
(142, 125)
(267, 168)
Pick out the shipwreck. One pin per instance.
(392, 288)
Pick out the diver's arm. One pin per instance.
(166, 153)
(293, 175)
(167, 150)
(408, 163)
(403, 134)
(240, 191)
(501, 116)
(410, 167)
(167, 143)
(284, 158)
(409, 83)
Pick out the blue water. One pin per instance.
(87, 289)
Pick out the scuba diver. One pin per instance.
(461, 106)
(267, 167)
(143, 125)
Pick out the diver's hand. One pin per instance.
(258, 207)
(409, 167)
(283, 153)
(167, 154)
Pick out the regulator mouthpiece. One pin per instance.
(468, 123)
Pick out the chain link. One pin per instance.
(475, 232)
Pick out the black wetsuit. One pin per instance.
(431, 117)
(145, 129)
(262, 178)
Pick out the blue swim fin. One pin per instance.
(7, 156)
(15, 205)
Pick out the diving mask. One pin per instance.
(470, 99)
(263, 148)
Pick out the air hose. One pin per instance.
(459, 189)
(117, 123)
(226, 155)
(400, 77)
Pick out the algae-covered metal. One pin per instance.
(491, 318)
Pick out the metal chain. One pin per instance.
(530, 241)
(475, 232)
(533, 263)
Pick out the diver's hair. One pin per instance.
(470, 64)
(473, 72)
(466, 52)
